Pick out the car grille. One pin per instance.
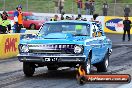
(52, 49)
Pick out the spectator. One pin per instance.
(127, 11)
(56, 6)
(79, 6)
(62, 16)
(87, 7)
(4, 23)
(68, 18)
(61, 5)
(18, 19)
(127, 27)
(85, 19)
(55, 18)
(105, 8)
(79, 17)
(94, 19)
(92, 8)
(72, 18)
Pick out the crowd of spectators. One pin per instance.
(87, 5)
(79, 17)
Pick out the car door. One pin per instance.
(26, 22)
(102, 47)
(97, 48)
(97, 43)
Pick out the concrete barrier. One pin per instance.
(9, 45)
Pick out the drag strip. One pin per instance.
(120, 61)
(9, 60)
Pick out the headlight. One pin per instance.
(40, 24)
(78, 49)
(23, 48)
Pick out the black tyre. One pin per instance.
(32, 27)
(103, 66)
(28, 69)
(52, 67)
(87, 65)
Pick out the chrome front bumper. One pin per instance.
(51, 58)
(110, 52)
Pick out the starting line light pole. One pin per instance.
(27, 5)
(115, 8)
(4, 5)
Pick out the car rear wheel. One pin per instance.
(103, 66)
(28, 69)
(87, 65)
(32, 27)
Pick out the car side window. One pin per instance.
(85, 30)
(24, 18)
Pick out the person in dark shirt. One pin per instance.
(105, 8)
(92, 7)
(127, 27)
(127, 10)
(62, 15)
(87, 7)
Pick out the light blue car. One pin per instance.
(66, 44)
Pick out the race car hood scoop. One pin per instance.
(58, 36)
(55, 38)
(80, 38)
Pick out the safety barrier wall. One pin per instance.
(9, 45)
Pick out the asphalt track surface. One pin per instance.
(11, 74)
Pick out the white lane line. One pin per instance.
(123, 44)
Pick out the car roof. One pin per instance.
(24, 13)
(70, 21)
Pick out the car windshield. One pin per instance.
(77, 29)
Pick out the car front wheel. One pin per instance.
(87, 65)
(32, 27)
(103, 66)
(28, 69)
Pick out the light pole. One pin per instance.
(73, 7)
(27, 5)
(114, 8)
(4, 5)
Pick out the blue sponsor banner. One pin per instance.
(114, 24)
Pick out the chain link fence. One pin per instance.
(48, 6)
(117, 9)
